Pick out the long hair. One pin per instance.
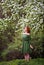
(27, 29)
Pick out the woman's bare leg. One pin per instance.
(27, 57)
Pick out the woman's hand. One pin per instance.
(31, 46)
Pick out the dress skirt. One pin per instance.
(25, 43)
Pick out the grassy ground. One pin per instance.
(23, 62)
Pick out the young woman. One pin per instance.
(26, 43)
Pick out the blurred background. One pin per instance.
(14, 15)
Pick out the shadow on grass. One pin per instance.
(38, 61)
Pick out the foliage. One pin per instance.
(7, 32)
(23, 62)
(15, 14)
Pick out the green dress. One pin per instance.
(25, 43)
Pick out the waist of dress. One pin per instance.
(26, 40)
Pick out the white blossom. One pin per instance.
(26, 20)
(41, 21)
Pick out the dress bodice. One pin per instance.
(25, 37)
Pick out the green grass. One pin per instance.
(23, 62)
